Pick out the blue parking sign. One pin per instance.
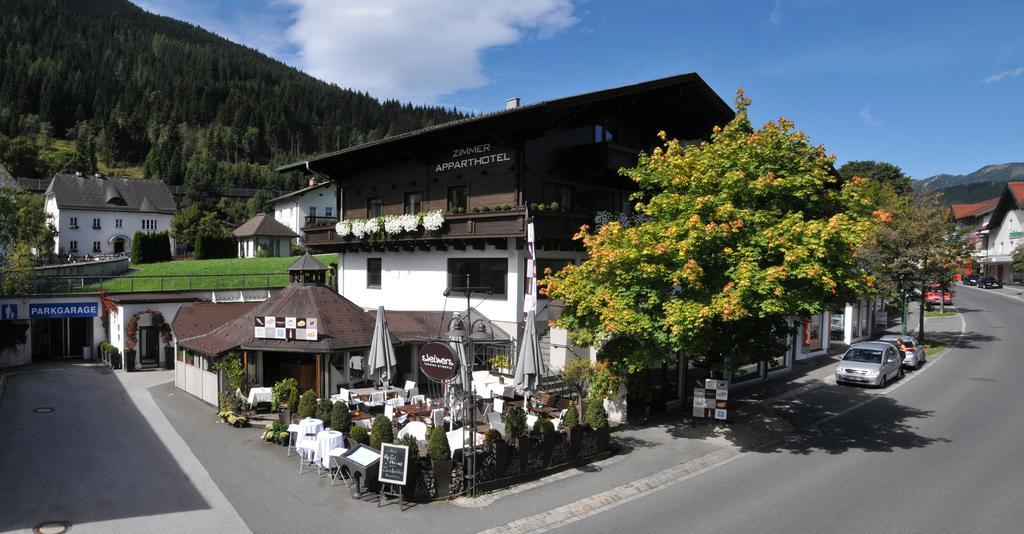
(8, 312)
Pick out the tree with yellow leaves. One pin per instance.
(736, 235)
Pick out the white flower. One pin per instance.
(343, 228)
(408, 222)
(392, 225)
(372, 226)
(433, 220)
(359, 228)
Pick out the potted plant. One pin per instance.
(323, 410)
(281, 392)
(381, 432)
(359, 434)
(597, 419)
(545, 429)
(341, 418)
(413, 474)
(307, 404)
(574, 433)
(293, 403)
(555, 206)
(283, 437)
(515, 428)
(497, 446)
(440, 460)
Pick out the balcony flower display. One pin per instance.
(343, 228)
(433, 220)
(392, 225)
(408, 222)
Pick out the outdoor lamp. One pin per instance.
(481, 331)
(457, 327)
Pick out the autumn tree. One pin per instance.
(737, 235)
(915, 246)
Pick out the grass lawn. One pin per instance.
(232, 273)
(934, 347)
(937, 313)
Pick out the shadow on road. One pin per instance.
(93, 458)
(970, 340)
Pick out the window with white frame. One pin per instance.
(96, 246)
(73, 223)
(74, 246)
(96, 223)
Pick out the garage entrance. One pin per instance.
(57, 339)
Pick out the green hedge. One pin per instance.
(213, 245)
(151, 247)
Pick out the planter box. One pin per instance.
(129, 360)
(442, 477)
(603, 436)
(523, 454)
(548, 442)
(575, 437)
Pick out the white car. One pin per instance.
(874, 363)
(913, 352)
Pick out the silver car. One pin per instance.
(913, 352)
(874, 363)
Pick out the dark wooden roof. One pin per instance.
(202, 318)
(684, 100)
(343, 325)
(307, 263)
(108, 193)
(263, 225)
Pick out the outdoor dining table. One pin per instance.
(309, 426)
(363, 394)
(421, 413)
(549, 411)
(325, 441)
(258, 395)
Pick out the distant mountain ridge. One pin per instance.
(984, 183)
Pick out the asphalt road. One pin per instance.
(937, 453)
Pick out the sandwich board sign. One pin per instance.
(394, 464)
(711, 399)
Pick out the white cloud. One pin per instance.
(775, 17)
(1015, 73)
(413, 50)
(868, 117)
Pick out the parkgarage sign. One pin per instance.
(63, 310)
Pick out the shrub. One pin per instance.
(359, 435)
(307, 404)
(485, 209)
(543, 426)
(515, 422)
(212, 244)
(555, 206)
(323, 410)
(282, 436)
(414, 446)
(493, 436)
(381, 432)
(293, 399)
(437, 447)
(341, 418)
(506, 207)
(596, 416)
(572, 417)
(281, 392)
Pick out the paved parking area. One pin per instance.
(78, 446)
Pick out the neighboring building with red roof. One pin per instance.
(1003, 233)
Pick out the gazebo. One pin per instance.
(263, 233)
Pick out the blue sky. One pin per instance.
(932, 86)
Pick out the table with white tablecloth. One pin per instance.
(325, 441)
(258, 395)
(309, 426)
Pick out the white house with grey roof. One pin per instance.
(309, 206)
(98, 215)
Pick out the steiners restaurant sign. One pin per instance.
(438, 362)
(473, 156)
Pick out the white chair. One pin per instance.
(377, 398)
(499, 405)
(335, 455)
(495, 422)
(437, 417)
(530, 420)
(307, 450)
(398, 401)
(557, 421)
(412, 392)
(389, 412)
(415, 429)
(345, 395)
(401, 419)
(293, 438)
(455, 440)
(409, 384)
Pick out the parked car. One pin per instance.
(936, 294)
(971, 279)
(912, 351)
(874, 363)
(989, 282)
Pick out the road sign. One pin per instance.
(8, 312)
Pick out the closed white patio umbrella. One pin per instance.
(381, 363)
(529, 365)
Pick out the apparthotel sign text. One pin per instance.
(473, 156)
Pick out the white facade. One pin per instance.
(1005, 238)
(292, 210)
(79, 231)
(275, 246)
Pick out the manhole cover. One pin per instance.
(52, 527)
(43, 409)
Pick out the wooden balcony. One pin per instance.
(459, 230)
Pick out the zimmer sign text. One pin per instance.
(473, 156)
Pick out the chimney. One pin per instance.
(512, 103)
(312, 182)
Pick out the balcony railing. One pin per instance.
(315, 220)
(457, 226)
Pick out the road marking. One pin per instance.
(1016, 297)
(586, 507)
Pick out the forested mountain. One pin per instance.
(133, 89)
(984, 183)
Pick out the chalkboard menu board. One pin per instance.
(394, 464)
